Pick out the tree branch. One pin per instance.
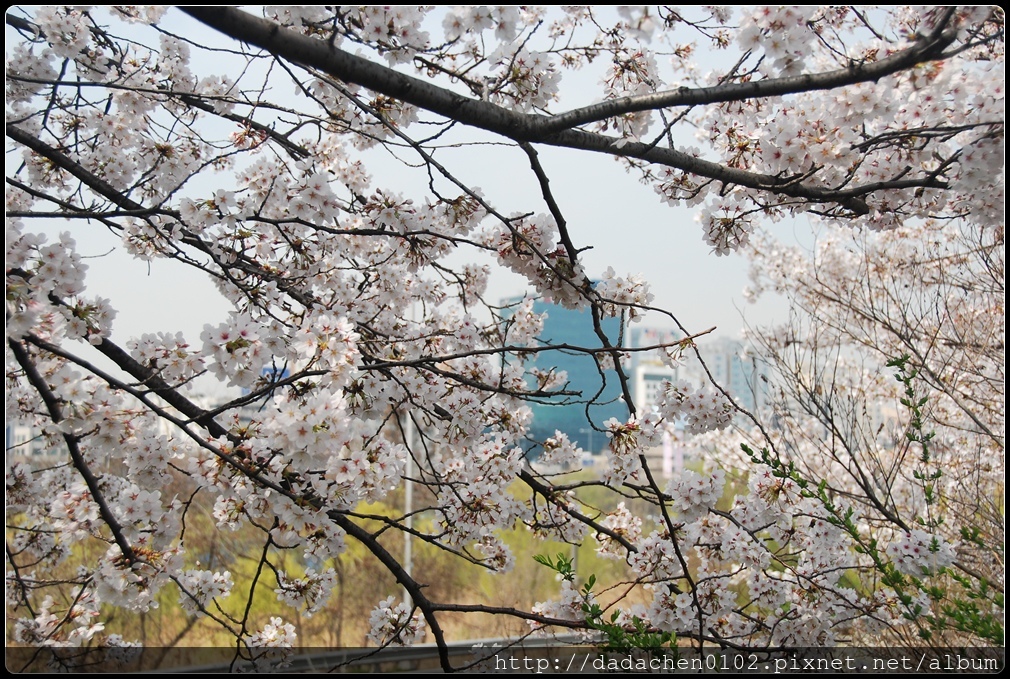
(315, 53)
(56, 414)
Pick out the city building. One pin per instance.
(26, 443)
(733, 368)
(743, 376)
(580, 417)
(649, 371)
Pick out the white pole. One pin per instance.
(408, 490)
(408, 504)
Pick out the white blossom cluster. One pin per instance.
(623, 295)
(313, 590)
(475, 504)
(623, 523)
(168, 354)
(135, 587)
(394, 624)
(470, 23)
(237, 351)
(199, 587)
(919, 553)
(561, 452)
(703, 409)
(783, 33)
(628, 75)
(656, 558)
(56, 270)
(275, 634)
(627, 441)
(530, 247)
(532, 81)
(48, 627)
(670, 611)
(694, 494)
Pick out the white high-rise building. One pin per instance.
(731, 366)
(735, 369)
(25, 443)
(649, 370)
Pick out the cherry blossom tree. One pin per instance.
(372, 355)
(922, 303)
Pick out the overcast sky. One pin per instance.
(624, 221)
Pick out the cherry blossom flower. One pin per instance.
(393, 624)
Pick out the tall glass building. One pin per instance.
(600, 394)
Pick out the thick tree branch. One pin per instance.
(926, 49)
(412, 586)
(64, 162)
(93, 483)
(522, 127)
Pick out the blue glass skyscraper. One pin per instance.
(600, 394)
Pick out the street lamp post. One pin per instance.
(408, 506)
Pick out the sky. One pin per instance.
(624, 222)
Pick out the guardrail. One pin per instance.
(476, 654)
(501, 654)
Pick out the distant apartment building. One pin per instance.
(736, 370)
(648, 369)
(731, 366)
(740, 374)
(25, 443)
